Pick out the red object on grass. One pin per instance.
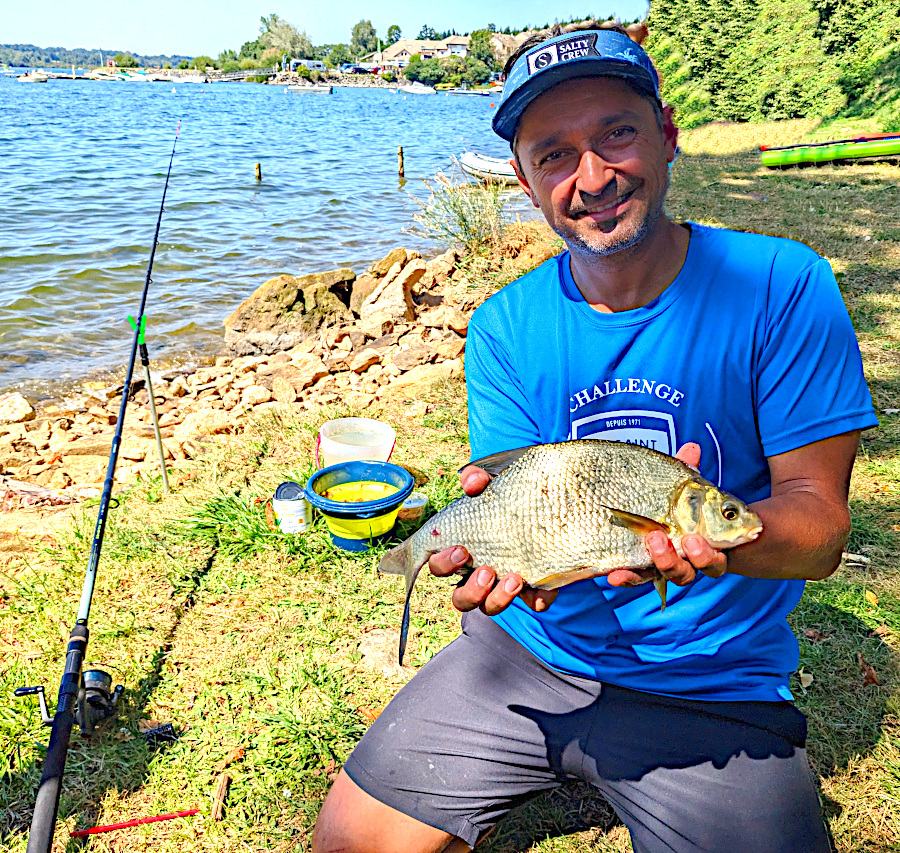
(136, 822)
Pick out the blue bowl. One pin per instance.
(354, 526)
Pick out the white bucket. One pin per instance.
(353, 439)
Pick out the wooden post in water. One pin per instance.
(258, 172)
(400, 161)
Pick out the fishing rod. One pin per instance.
(84, 697)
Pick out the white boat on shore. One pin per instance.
(488, 168)
(418, 88)
(311, 89)
(33, 76)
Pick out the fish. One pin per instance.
(573, 510)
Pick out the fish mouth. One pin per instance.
(754, 532)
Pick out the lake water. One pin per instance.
(84, 165)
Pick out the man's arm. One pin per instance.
(806, 522)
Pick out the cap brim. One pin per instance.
(510, 111)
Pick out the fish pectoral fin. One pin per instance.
(660, 582)
(637, 523)
(496, 463)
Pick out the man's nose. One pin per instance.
(594, 173)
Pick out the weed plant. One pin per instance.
(469, 216)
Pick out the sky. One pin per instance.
(195, 27)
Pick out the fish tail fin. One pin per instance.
(660, 583)
(403, 560)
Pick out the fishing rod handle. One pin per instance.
(46, 806)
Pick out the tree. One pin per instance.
(480, 47)
(184, 64)
(427, 32)
(394, 34)
(277, 33)
(340, 54)
(428, 71)
(226, 56)
(363, 39)
(251, 49)
(125, 60)
(200, 62)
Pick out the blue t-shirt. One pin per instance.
(750, 353)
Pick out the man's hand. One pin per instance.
(482, 588)
(700, 554)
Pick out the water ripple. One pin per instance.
(84, 166)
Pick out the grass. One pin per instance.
(257, 646)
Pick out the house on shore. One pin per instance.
(398, 54)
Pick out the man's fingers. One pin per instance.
(475, 590)
(630, 577)
(538, 599)
(689, 454)
(473, 480)
(449, 561)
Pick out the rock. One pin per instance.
(286, 310)
(93, 446)
(205, 422)
(362, 289)
(134, 450)
(306, 370)
(231, 399)
(395, 256)
(254, 395)
(451, 348)
(15, 409)
(412, 357)
(445, 316)
(377, 325)
(364, 359)
(283, 391)
(378, 650)
(438, 269)
(178, 387)
(422, 377)
(393, 297)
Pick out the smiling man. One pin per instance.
(736, 351)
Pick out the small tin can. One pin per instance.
(293, 511)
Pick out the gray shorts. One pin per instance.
(485, 726)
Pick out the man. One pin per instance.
(654, 332)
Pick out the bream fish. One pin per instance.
(560, 513)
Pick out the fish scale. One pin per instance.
(559, 513)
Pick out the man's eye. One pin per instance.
(549, 158)
(622, 134)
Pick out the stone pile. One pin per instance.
(296, 341)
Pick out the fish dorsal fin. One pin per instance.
(496, 463)
(638, 523)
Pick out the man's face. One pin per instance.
(595, 161)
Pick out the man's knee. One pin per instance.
(352, 821)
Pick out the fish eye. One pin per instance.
(730, 511)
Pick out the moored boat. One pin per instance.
(487, 168)
(417, 88)
(311, 89)
(33, 76)
(860, 147)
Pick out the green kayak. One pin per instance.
(874, 145)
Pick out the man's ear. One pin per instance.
(523, 182)
(670, 133)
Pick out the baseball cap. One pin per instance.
(582, 53)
